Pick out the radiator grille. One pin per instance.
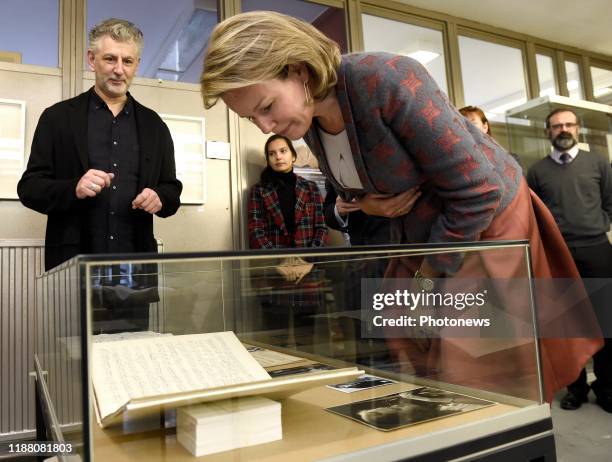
(20, 262)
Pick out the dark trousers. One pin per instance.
(596, 262)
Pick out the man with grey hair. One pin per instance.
(102, 164)
(577, 188)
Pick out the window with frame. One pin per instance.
(602, 84)
(546, 75)
(424, 44)
(573, 80)
(493, 76)
(27, 38)
(174, 42)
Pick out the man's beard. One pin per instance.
(564, 141)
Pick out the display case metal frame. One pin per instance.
(526, 430)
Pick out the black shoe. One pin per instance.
(605, 402)
(571, 402)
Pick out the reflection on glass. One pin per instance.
(493, 76)
(327, 19)
(602, 84)
(421, 43)
(546, 75)
(174, 41)
(28, 38)
(323, 328)
(574, 83)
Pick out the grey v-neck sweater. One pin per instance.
(578, 194)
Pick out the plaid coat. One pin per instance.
(267, 228)
(403, 133)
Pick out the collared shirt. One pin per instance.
(342, 221)
(556, 155)
(340, 159)
(113, 148)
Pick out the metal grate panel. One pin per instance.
(20, 262)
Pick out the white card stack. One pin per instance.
(228, 424)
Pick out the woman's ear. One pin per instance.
(299, 70)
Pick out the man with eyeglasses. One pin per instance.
(577, 188)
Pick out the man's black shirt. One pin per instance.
(113, 148)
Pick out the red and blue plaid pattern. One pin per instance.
(267, 228)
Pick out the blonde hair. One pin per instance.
(119, 30)
(253, 47)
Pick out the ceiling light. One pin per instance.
(572, 85)
(423, 56)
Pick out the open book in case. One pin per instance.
(127, 340)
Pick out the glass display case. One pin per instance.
(131, 346)
(526, 127)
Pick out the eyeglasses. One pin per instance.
(565, 125)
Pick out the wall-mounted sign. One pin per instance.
(217, 150)
(12, 146)
(190, 155)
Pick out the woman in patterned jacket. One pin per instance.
(385, 135)
(285, 210)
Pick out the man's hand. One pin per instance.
(389, 205)
(92, 183)
(344, 207)
(147, 200)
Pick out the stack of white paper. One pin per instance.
(228, 424)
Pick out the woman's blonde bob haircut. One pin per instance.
(254, 47)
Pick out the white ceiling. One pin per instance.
(583, 24)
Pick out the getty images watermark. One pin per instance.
(420, 301)
(402, 308)
(484, 307)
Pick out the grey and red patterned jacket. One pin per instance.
(403, 133)
(267, 228)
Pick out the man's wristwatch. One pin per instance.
(424, 283)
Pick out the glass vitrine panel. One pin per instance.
(129, 342)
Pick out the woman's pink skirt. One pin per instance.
(567, 327)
